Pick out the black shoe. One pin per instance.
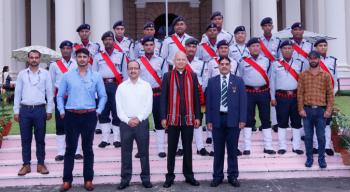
(215, 183)
(103, 144)
(162, 154)
(179, 152)
(302, 138)
(147, 184)
(309, 162)
(78, 157)
(209, 140)
(137, 155)
(211, 153)
(192, 181)
(314, 151)
(168, 183)
(234, 182)
(329, 152)
(59, 158)
(298, 151)
(281, 151)
(275, 128)
(203, 152)
(117, 144)
(269, 151)
(246, 152)
(260, 129)
(123, 185)
(98, 131)
(254, 129)
(322, 163)
(111, 131)
(239, 152)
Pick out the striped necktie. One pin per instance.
(224, 91)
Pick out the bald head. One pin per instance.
(180, 61)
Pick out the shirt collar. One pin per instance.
(222, 76)
(29, 71)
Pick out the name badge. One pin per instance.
(234, 89)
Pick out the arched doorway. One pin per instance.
(159, 23)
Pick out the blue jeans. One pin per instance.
(314, 119)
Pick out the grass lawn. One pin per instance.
(342, 102)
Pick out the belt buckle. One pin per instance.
(109, 80)
(290, 93)
(314, 106)
(256, 88)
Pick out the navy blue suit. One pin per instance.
(226, 125)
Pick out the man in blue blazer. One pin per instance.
(226, 113)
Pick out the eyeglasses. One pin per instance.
(133, 68)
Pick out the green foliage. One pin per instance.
(5, 110)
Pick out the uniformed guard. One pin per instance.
(149, 31)
(111, 64)
(175, 42)
(201, 69)
(283, 83)
(57, 69)
(153, 68)
(329, 65)
(254, 70)
(123, 44)
(239, 49)
(208, 48)
(218, 19)
(270, 48)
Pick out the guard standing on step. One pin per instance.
(123, 44)
(148, 31)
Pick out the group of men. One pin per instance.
(179, 81)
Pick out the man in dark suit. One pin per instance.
(226, 107)
(180, 113)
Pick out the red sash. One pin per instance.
(178, 43)
(325, 68)
(200, 88)
(266, 51)
(77, 46)
(150, 69)
(298, 49)
(118, 48)
(258, 68)
(61, 66)
(111, 66)
(211, 52)
(289, 69)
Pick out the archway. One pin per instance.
(159, 23)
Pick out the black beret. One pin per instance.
(191, 41)
(177, 19)
(211, 25)
(320, 41)
(252, 41)
(215, 14)
(107, 34)
(83, 26)
(118, 23)
(266, 20)
(221, 43)
(297, 24)
(147, 39)
(148, 25)
(314, 54)
(66, 43)
(238, 29)
(285, 43)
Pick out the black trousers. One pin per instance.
(156, 113)
(173, 139)
(75, 125)
(59, 122)
(141, 135)
(110, 106)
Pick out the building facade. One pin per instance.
(48, 22)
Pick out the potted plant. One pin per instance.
(5, 114)
(340, 126)
(345, 151)
(1, 137)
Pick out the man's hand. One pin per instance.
(273, 102)
(16, 117)
(241, 125)
(210, 126)
(48, 116)
(197, 123)
(327, 114)
(134, 122)
(62, 116)
(164, 123)
(302, 113)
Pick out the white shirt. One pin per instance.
(32, 89)
(134, 100)
(223, 108)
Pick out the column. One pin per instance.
(218, 5)
(100, 19)
(232, 14)
(116, 11)
(39, 20)
(260, 10)
(291, 12)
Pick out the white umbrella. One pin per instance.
(47, 54)
(308, 35)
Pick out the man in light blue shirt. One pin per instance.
(80, 115)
